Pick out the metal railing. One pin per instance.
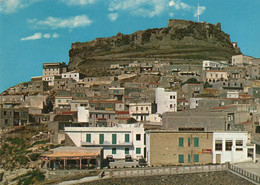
(253, 177)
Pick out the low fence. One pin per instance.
(244, 173)
(164, 171)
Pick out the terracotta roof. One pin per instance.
(68, 112)
(122, 112)
(247, 122)
(182, 100)
(105, 101)
(220, 108)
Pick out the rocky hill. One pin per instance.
(180, 40)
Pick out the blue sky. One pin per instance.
(36, 31)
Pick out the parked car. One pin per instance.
(128, 158)
(142, 162)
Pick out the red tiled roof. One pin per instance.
(247, 122)
(220, 108)
(122, 112)
(105, 101)
(182, 100)
(68, 112)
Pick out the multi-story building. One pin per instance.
(121, 140)
(178, 148)
(62, 102)
(50, 70)
(213, 76)
(166, 101)
(142, 111)
(240, 60)
(232, 147)
(210, 65)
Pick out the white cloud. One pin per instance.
(12, 6)
(179, 5)
(201, 11)
(79, 2)
(47, 35)
(55, 35)
(171, 14)
(113, 16)
(145, 8)
(55, 22)
(36, 36)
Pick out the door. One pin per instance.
(218, 158)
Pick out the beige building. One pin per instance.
(216, 75)
(178, 148)
(50, 70)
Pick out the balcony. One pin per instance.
(106, 143)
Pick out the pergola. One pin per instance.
(73, 158)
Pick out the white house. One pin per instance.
(73, 75)
(166, 101)
(121, 140)
(232, 147)
(208, 65)
(232, 94)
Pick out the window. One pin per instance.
(228, 145)
(113, 150)
(171, 106)
(59, 101)
(141, 108)
(239, 143)
(196, 158)
(88, 138)
(188, 158)
(196, 142)
(136, 108)
(218, 145)
(138, 151)
(181, 142)
(101, 138)
(138, 137)
(181, 158)
(189, 141)
(126, 150)
(127, 138)
(113, 138)
(6, 121)
(146, 108)
(171, 97)
(5, 113)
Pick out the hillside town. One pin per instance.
(146, 114)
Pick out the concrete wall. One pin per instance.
(166, 101)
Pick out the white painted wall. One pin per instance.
(164, 101)
(79, 134)
(194, 102)
(83, 114)
(232, 156)
(72, 75)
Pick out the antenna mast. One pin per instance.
(198, 12)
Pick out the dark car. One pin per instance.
(128, 158)
(142, 162)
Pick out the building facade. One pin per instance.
(117, 141)
(178, 148)
(166, 101)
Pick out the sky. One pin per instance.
(33, 32)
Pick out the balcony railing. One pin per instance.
(106, 143)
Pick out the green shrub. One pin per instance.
(35, 156)
(31, 177)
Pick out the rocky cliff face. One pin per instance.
(180, 40)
